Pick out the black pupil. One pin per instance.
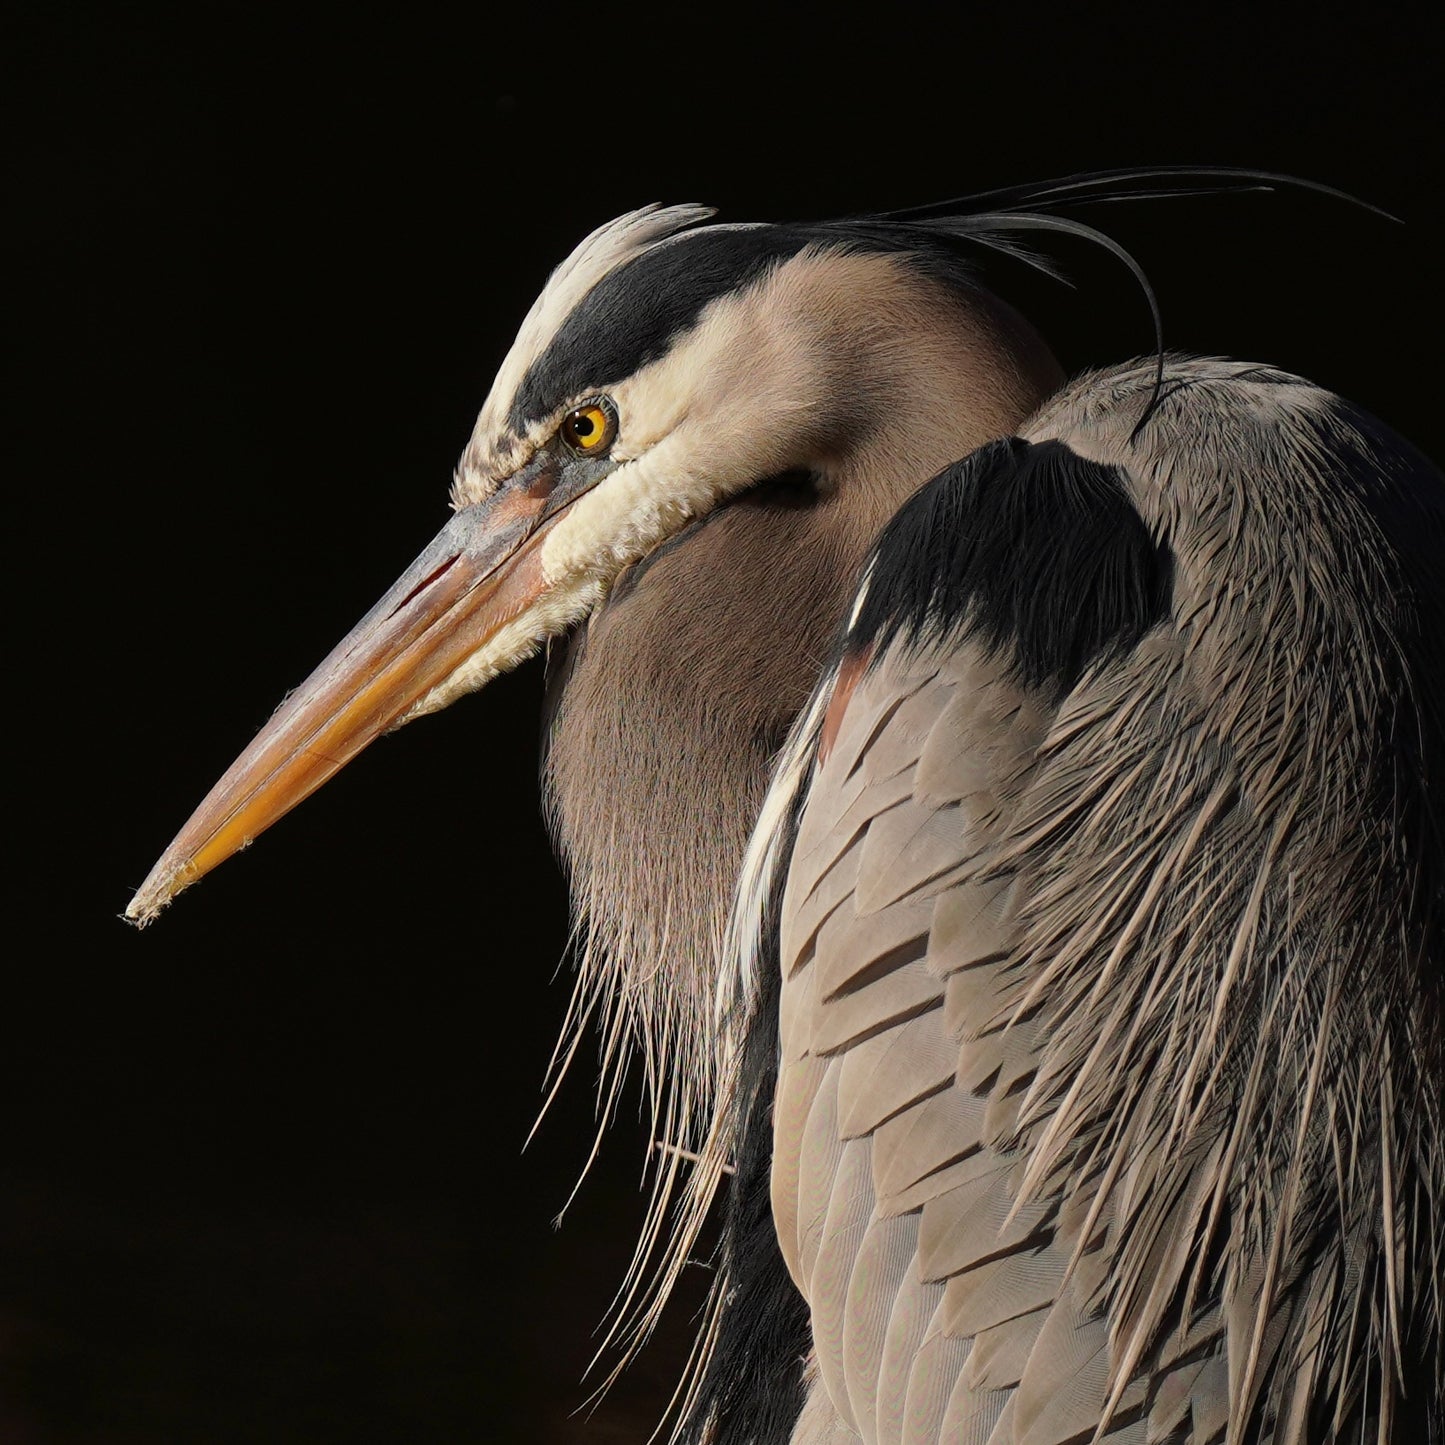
(583, 425)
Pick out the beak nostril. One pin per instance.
(423, 585)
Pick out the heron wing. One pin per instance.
(943, 1302)
(951, 1297)
(1090, 870)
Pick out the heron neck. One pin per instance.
(675, 698)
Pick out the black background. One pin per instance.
(261, 1174)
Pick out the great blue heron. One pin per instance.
(1067, 1007)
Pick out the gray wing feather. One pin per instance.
(882, 1267)
(919, 1194)
(935, 1368)
(793, 1113)
(819, 1160)
(882, 1076)
(839, 1245)
(911, 1318)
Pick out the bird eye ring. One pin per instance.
(591, 428)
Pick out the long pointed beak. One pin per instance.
(482, 571)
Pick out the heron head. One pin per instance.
(668, 366)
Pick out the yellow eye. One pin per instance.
(590, 429)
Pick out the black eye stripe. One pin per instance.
(632, 314)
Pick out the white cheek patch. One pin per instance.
(620, 521)
(552, 614)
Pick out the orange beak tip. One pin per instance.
(160, 889)
(141, 912)
(481, 572)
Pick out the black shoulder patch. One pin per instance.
(1031, 547)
